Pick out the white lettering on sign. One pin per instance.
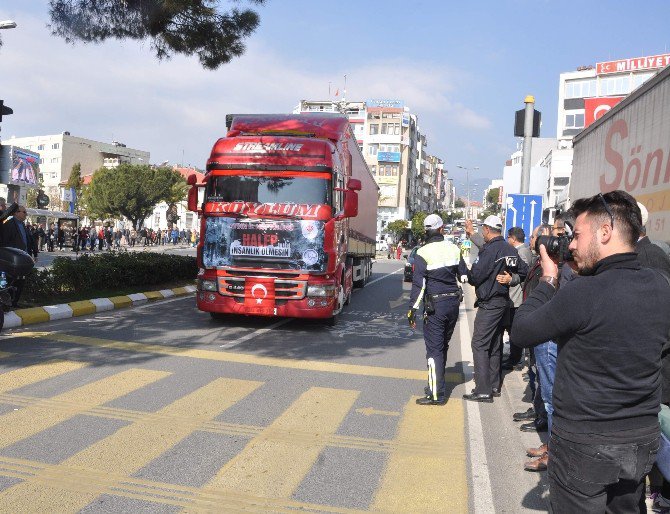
(267, 147)
(300, 210)
(280, 250)
(653, 62)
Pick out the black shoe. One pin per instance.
(478, 397)
(539, 425)
(496, 393)
(428, 400)
(524, 416)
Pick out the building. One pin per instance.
(584, 96)
(60, 152)
(188, 220)
(395, 150)
(495, 184)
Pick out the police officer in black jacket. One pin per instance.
(437, 267)
(495, 256)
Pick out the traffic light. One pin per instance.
(4, 110)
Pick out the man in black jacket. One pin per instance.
(14, 234)
(495, 256)
(649, 254)
(610, 326)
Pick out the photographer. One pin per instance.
(610, 326)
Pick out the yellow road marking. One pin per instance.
(36, 373)
(21, 424)
(128, 449)
(32, 315)
(120, 301)
(192, 498)
(240, 358)
(274, 469)
(425, 483)
(6, 354)
(153, 295)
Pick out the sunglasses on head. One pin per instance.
(607, 208)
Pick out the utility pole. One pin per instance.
(527, 144)
(467, 185)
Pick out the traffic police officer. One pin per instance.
(437, 266)
(495, 256)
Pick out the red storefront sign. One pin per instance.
(594, 108)
(653, 62)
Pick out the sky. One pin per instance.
(462, 67)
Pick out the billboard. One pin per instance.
(388, 156)
(652, 62)
(25, 167)
(385, 102)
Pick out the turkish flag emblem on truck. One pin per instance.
(259, 295)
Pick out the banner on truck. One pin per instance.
(283, 244)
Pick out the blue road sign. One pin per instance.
(523, 211)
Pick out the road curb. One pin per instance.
(23, 317)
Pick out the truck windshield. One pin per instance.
(241, 188)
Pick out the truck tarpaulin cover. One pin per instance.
(291, 244)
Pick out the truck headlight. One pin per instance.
(207, 285)
(321, 290)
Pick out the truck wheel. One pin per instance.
(365, 272)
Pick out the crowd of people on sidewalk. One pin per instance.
(587, 308)
(107, 238)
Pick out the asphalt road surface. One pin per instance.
(162, 409)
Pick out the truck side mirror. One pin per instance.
(350, 204)
(192, 179)
(354, 184)
(193, 197)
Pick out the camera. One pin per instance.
(557, 246)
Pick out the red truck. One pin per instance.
(288, 217)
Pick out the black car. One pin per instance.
(409, 265)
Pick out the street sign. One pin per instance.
(523, 211)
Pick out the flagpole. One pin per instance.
(344, 95)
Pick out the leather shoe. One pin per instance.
(524, 416)
(539, 425)
(539, 464)
(496, 392)
(538, 452)
(428, 400)
(478, 397)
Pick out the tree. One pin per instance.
(131, 190)
(417, 224)
(185, 27)
(397, 228)
(492, 200)
(459, 203)
(75, 182)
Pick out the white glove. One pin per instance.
(464, 279)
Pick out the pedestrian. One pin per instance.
(51, 238)
(92, 237)
(516, 237)
(14, 234)
(398, 251)
(101, 238)
(133, 237)
(438, 265)
(495, 256)
(607, 389)
(649, 254)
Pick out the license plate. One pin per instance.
(261, 311)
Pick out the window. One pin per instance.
(640, 78)
(374, 129)
(580, 88)
(391, 128)
(54, 160)
(373, 169)
(373, 149)
(268, 189)
(615, 86)
(574, 120)
(389, 148)
(40, 147)
(55, 146)
(561, 181)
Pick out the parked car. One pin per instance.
(382, 246)
(409, 265)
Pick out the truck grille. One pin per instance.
(285, 289)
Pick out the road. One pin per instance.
(162, 409)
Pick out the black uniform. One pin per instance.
(496, 256)
(437, 266)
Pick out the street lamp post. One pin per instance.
(467, 180)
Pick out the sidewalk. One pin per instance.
(22, 317)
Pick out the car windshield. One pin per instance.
(242, 188)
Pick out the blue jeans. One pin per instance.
(545, 359)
